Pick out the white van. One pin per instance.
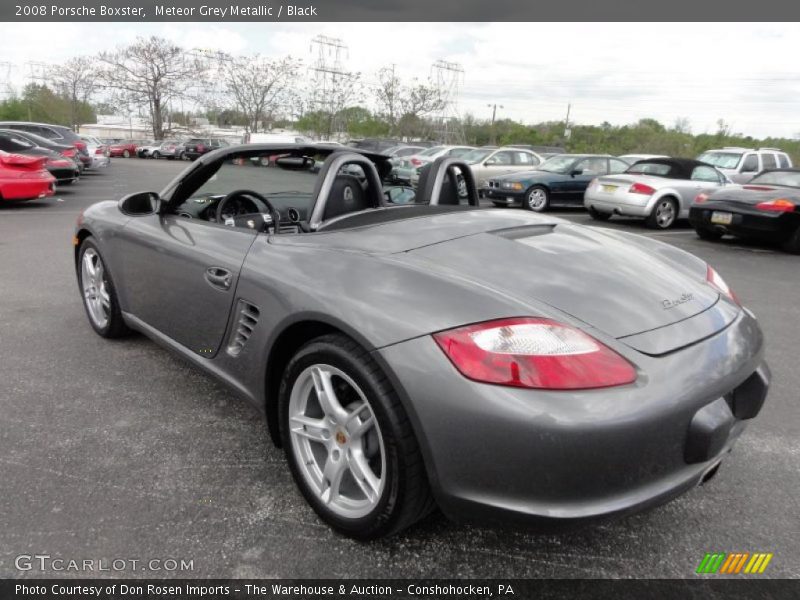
(742, 164)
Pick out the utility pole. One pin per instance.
(494, 115)
(567, 130)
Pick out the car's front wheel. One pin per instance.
(98, 292)
(126, 154)
(156, 154)
(537, 199)
(348, 441)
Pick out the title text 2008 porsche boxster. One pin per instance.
(404, 362)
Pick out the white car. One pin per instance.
(742, 164)
(420, 159)
(98, 151)
(147, 150)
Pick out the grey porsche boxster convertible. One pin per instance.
(411, 349)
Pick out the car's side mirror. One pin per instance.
(576, 172)
(140, 204)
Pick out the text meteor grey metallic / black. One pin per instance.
(500, 365)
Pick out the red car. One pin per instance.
(24, 177)
(126, 148)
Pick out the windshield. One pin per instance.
(787, 178)
(723, 160)
(475, 156)
(558, 164)
(431, 151)
(650, 168)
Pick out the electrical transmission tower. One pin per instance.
(328, 77)
(6, 89)
(448, 78)
(38, 72)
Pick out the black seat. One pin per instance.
(449, 193)
(346, 196)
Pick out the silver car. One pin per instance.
(434, 353)
(486, 163)
(659, 190)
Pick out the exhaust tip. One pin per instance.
(709, 475)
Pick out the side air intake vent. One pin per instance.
(289, 229)
(244, 326)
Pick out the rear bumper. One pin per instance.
(630, 205)
(561, 458)
(745, 223)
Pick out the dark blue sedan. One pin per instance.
(560, 180)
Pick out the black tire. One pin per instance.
(116, 326)
(657, 220)
(597, 215)
(406, 496)
(537, 199)
(126, 154)
(182, 156)
(792, 245)
(156, 154)
(708, 234)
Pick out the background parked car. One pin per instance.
(62, 168)
(68, 151)
(24, 177)
(146, 150)
(169, 149)
(742, 164)
(196, 147)
(127, 148)
(560, 180)
(487, 163)
(406, 169)
(766, 208)
(56, 133)
(660, 190)
(98, 151)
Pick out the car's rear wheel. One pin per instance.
(708, 234)
(663, 215)
(126, 154)
(597, 215)
(348, 441)
(792, 245)
(98, 292)
(156, 154)
(537, 199)
(182, 156)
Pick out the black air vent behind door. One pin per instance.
(247, 319)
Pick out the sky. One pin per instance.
(746, 74)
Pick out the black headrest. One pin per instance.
(449, 193)
(346, 196)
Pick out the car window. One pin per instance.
(783, 161)
(501, 159)
(431, 151)
(525, 158)
(703, 173)
(650, 168)
(788, 178)
(769, 161)
(593, 166)
(750, 164)
(14, 143)
(617, 166)
(458, 152)
(722, 160)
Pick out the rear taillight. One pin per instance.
(200, 147)
(81, 146)
(758, 188)
(778, 205)
(641, 188)
(716, 281)
(700, 198)
(70, 153)
(416, 162)
(530, 352)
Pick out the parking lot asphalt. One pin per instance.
(119, 450)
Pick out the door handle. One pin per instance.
(219, 277)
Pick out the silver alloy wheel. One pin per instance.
(95, 290)
(336, 441)
(537, 199)
(665, 213)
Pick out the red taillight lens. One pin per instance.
(716, 281)
(200, 147)
(700, 198)
(416, 162)
(779, 205)
(68, 153)
(532, 352)
(757, 188)
(641, 188)
(80, 146)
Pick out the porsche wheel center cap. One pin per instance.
(341, 438)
